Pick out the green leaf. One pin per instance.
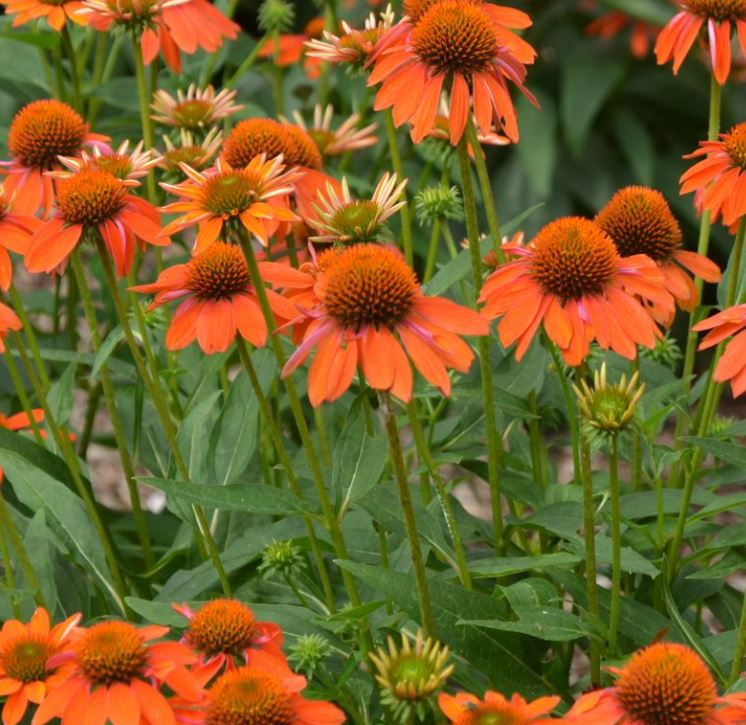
(194, 435)
(107, 348)
(729, 452)
(651, 10)
(538, 148)
(495, 568)
(60, 396)
(636, 143)
(547, 623)
(36, 541)
(20, 62)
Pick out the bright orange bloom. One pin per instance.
(732, 364)
(219, 301)
(662, 683)
(196, 110)
(39, 133)
(8, 322)
(720, 17)
(464, 44)
(639, 221)
(609, 24)
(15, 231)
(228, 199)
(24, 651)
(224, 630)
(56, 12)
(93, 201)
(113, 671)
(369, 306)
(720, 177)
(572, 280)
(21, 423)
(290, 48)
(465, 709)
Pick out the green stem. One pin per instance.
(28, 331)
(145, 120)
(286, 462)
(432, 251)
(494, 443)
(396, 162)
(636, 463)
(536, 443)
(111, 60)
(247, 63)
(67, 44)
(10, 579)
(570, 407)
(740, 649)
(410, 521)
(277, 75)
(616, 544)
(22, 396)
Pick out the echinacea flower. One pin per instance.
(195, 110)
(227, 200)
(663, 683)
(719, 17)
(289, 48)
(126, 165)
(466, 709)
(464, 45)
(571, 280)
(15, 231)
(369, 306)
(225, 630)
(218, 299)
(720, 177)
(20, 423)
(94, 202)
(344, 220)
(639, 221)
(114, 671)
(25, 649)
(196, 155)
(732, 364)
(39, 134)
(56, 12)
(610, 23)
(9, 322)
(332, 142)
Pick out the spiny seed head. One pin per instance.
(90, 197)
(357, 222)
(253, 137)
(667, 683)
(282, 557)
(43, 130)
(112, 652)
(222, 626)
(735, 144)
(229, 193)
(639, 221)
(666, 352)
(303, 150)
(437, 203)
(415, 9)
(455, 36)
(720, 10)
(220, 272)
(24, 658)
(309, 652)
(276, 15)
(573, 257)
(368, 285)
(248, 696)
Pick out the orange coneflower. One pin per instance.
(114, 671)
(720, 16)
(462, 44)
(290, 48)
(24, 652)
(572, 280)
(639, 221)
(720, 177)
(15, 231)
(466, 709)
(225, 630)
(218, 299)
(20, 423)
(56, 12)
(9, 322)
(196, 155)
(332, 142)
(93, 201)
(195, 110)
(39, 134)
(663, 683)
(126, 165)
(610, 23)
(732, 364)
(226, 200)
(369, 305)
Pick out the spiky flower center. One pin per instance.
(572, 258)
(361, 41)
(492, 713)
(368, 286)
(322, 138)
(193, 114)
(25, 657)
(454, 36)
(223, 625)
(218, 273)
(415, 9)
(302, 150)
(735, 144)
(231, 192)
(720, 10)
(44, 130)
(135, 11)
(112, 652)
(639, 221)
(356, 221)
(249, 696)
(194, 156)
(91, 197)
(253, 137)
(667, 684)
(119, 165)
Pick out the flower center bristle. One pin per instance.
(368, 285)
(412, 669)
(720, 10)
(223, 625)
(91, 197)
(218, 273)
(230, 193)
(253, 137)
(193, 114)
(112, 652)
(639, 221)
(24, 659)
(116, 164)
(735, 144)
(573, 257)
(415, 9)
(249, 696)
(322, 138)
(302, 149)
(352, 40)
(455, 36)
(492, 713)
(667, 684)
(44, 130)
(355, 221)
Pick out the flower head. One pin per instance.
(15, 231)
(344, 220)
(56, 12)
(572, 280)
(9, 322)
(639, 221)
(730, 323)
(464, 44)
(332, 142)
(276, 15)
(196, 110)
(218, 299)
(436, 203)
(465, 709)
(126, 165)
(282, 557)
(196, 155)
(369, 305)
(309, 651)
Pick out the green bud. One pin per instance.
(276, 16)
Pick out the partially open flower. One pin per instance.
(309, 651)
(332, 142)
(126, 165)
(196, 155)
(276, 16)
(438, 203)
(282, 557)
(196, 110)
